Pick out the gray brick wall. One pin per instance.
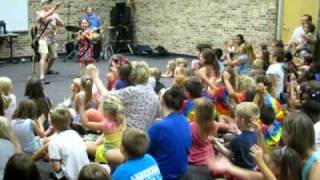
(179, 25)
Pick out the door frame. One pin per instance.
(280, 18)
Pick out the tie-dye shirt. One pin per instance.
(221, 103)
(188, 109)
(276, 106)
(221, 99)
(271, 133)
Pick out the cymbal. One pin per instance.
(73, 28)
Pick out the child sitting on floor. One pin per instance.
(156, 73)
(139, 165)
(193, 89)
(6, 89)
(28, 129)
(110, 119)
(115, 63)
(246, 115)
(124, 73)
(67, 151)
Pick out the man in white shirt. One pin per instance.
(47, 22)
(299, 34)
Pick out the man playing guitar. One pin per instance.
(47, 22)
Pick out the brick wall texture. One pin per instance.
(178, 25)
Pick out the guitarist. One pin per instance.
(47, 23)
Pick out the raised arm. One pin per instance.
(226, 78)
(258, 98)
(49, 13)
(94, 74)
(38, 126)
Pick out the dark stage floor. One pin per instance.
(59, 85)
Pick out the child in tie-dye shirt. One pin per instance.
(270, 128)
(193, 89)
(271, 116)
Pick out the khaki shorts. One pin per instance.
(48, 49)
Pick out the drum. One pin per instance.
(96, 36)
(96, 41)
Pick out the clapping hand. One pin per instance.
(261, 88)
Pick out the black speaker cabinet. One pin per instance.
(120, 15)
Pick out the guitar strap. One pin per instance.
(44, 29)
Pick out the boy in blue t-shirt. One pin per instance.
(246, 114)
(139, 165)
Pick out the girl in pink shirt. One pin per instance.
(201, 128)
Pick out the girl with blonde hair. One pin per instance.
(86, 85)
(9, 143)
(6, 89)
(110, 119)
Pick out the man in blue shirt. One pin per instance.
(93, 19)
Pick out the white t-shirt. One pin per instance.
(69, 148)
(277, 69)
(317, 134)
(298, 32)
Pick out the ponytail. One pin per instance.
(87, 84)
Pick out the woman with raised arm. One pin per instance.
(140, 100)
